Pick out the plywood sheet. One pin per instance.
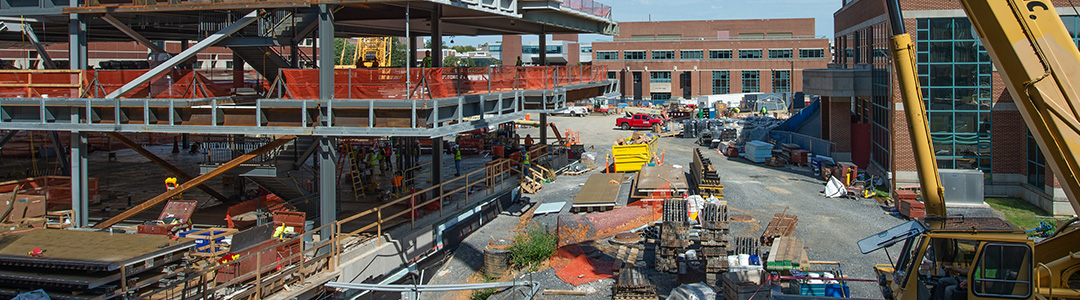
(85, 249)
(599, 189)
(652, 178)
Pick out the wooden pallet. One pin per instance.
(782, 224)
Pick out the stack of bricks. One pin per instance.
(715, 238)
(674, 235)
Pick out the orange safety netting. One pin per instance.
(427, 83)
(269, 201)
(574, 267)
(34, 84)
(176, 84)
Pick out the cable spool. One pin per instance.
(497, 257)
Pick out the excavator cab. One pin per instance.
(955, 262)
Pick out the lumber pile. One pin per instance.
(782, 224)
(705, 176)
(715, 235)
(674, 235)
(631, 283)
(787, 253)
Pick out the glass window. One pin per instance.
(607, 55)
(779, 53)
(586, 49)
(719, 54)
(749, 54)
(721, 82)
(781, 81)
(530, 49)
(612, 75)
(660, 77)
(811, 53)
(633, 55)
(1036, 164)
(661, 96)
(750, 81)
(1003, 270)
(495, 48)
(663, 54)
(690, 54)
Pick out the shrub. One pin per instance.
(532, 247)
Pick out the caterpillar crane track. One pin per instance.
(951, 258)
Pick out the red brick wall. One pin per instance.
(570, 37)
(511, 49)
(710, 28)
(839, 118)
(573, 53)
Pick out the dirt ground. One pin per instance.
(829, 227)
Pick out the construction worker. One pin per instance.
(519, 62)
(764, 111)
(528, 141)
(457, 160)
(398, 181)
(170, 184)
(426, 62)
(525, 164)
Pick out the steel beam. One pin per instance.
(543, 47)
(154, 48)
(55, 136)
(195, 181)
(327, 186)
(77, 41)
(164, 164)
(326, 57)
(28, 32)
(7, 137)
(186, 54)
(80, 180)
(543, 128)
(436, 160)
(436, 37)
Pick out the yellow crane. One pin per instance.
(371, 52)
(987, 258)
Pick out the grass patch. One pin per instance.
(483, 294)
(532, 248)
(1020, 212)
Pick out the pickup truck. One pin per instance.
(577, 111)
(637, 121)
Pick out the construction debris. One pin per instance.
(669, 180)
(705, 176)
(632, 284)
(787, 253)
(715, 235)
(782, 224)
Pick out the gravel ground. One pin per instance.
(829, 227)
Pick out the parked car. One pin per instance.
(577, 111)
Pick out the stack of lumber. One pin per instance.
(757, 151)
(674, 235)
(715, 235)
(785, 150)
(787, 253)
(782, 224)
(705, 176)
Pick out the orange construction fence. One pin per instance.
(428, 83)
(176, 84)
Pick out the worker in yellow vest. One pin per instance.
(457, 160)
(525, 164)
(170, 184)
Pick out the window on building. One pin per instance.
(669, 37)
(781, 81)
(690, 54)
(811, 53)
(751, 81)
(660, 77)
(1036, 164)
(663, 54)
(530, 49)
(778, 35)
(661, 96)
(779, 53)
(633, 55)
(642, 37)
(749, 54)
(955, 75)
(607, 55)
(495, 48)
(721, 83)
(586, 49)
(752, 36)
(719, 54)
(612, 75)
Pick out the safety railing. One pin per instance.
(590, 7)
(815, 145)
(220, 150)
(432, 83)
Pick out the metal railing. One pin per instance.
(815, 145)
(590, 7)
(220, 150)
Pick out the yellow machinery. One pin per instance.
(1037, 58)
(371, 52)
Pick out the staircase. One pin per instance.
(291, 191)
(263, 59)
(273, 171)
(266, 60)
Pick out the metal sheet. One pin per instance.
(551, 207)
(662, 177)
(251, 237)
(85, 250)
(599, 189)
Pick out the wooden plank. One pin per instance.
(195, 181)
(598, 190)
(565, 292)
(164, 164)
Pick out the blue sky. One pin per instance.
(669, 10)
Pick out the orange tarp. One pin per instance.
(574, 267)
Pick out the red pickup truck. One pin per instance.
(638, 120)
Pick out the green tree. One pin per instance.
(349, 50)
(398, 51)
(463, 49)
(450, 61)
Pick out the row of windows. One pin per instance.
(713, 54)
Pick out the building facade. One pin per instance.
(974, 123)
(685, 59)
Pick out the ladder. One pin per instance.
(354, 172)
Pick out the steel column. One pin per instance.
(77, 42)
(326, 55)
(186, 54)
(238, 70)
(436, 37)
(327, 186)
(543, 128)
(543, 46)
(55, 136)
(80, 180)
(436, 160)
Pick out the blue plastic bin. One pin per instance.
(202, 239)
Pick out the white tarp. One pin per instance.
(835, 188)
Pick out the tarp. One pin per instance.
(574, 267)
(834, 188)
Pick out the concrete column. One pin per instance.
(80, 180)
(543, 48)
(326, 53)
(327, 185)
(436, 37)
(543, 128)
(77, 40)
(436, 160)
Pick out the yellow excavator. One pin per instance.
(950, 257)
(371, 52)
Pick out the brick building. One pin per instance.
(685, 59)
(974, 123)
